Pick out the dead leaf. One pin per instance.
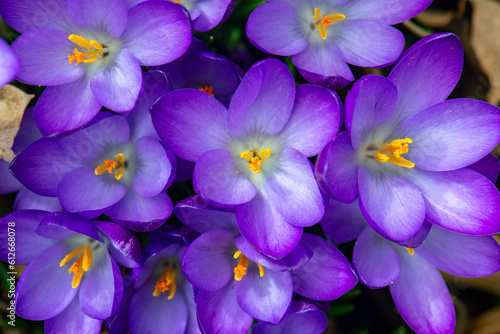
(434, 18)
(485, 40)
(13, 102)
(486, 323)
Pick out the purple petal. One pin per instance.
(208, 262)
(461, 200)
(9, 183)
(218, 312)
(265, 228)
(293, 191)
(117, 85)
(343, 222)
(9, 64)
(199, 216)
(72, 320)
(328, 275)
(452, 134)
(427, 73)
(122, 245)
(28, 132)
(157, 25)
(82, 190)
(283, 39)
(118, 323)
(264, 100)
(43, 54)
(388, 11)
(392, 205)
(422, 298)
(62, 225)
(418, 238)
(72, 103)
(108, 16)
(216, 179)
(488, 166)
(40, 299)
(370, 103)
(141, 214)
(375, 259)
(337, 169)
(28, 200)
(190, 123)
(265, 298)
(314, 121)
(185, 170)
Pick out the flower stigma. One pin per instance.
(81, 57)
(207, 89)
(255, 159)
(392, 152)
(79, 266)
(109, 165)
(325, 21)
(410, 250)
(166, 283)
(241, 269)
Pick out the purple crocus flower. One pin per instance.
(254, 155)
(405, 152)
(205, 14)
(324, 36)
(302, 318)
(89, 53)
(410, 268)
(73, 281)
(9, 64)
(114, 166)
(237, 284)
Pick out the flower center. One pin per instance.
(255, 159)
(85, 57)
(392, 152)
(241, 269)
(166, 283)
(79, 266)
(207, 89)
(109, 165)
(325, 21)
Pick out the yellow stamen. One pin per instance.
(166, 283)
(207, 89)
(393, 151)
(79, 266)
(80, 57)
(109, 165)
(261, 270)
(241, 269)
(410, 250)
(325, 21)
(255, 159)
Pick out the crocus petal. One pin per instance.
(73, 103)
(118, 323)
(63, 225)
(122, 244)
(141, 214)
(370, 103)
(40, 299)
(265, 298)
(460, 254)
(314, 121)
(208, 262)
(27, 244)
(283, 39)
(422, 298)
(451, 135)
(375, 259)
(388, 12)
(9, 64)
(72, 320)
(9, 183)
(218, 312)
(102, 288)
(343, 222)
(328, 275)
(263, 101)
(43, 54)
(427, 73)
(157, 25)
(216, 179)
(265, 228)
(40, 166)
(109, 16)
(199, 216)
(190, 123)
(392, 205)
(337, 169)
(418, 238)
(445, 194)
(149, 314)
(293, 191)
(488, 166)
(117, 86)
(27, 15)
(82, 190)
(28, 200)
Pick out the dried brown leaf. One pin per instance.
(486, 323)
(13, 102)
(434, 18)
